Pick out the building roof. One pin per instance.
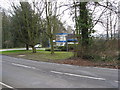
(72, 40)
(60, 41)
(62, 33)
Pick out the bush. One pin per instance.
(49, 49)
(62, 48)
(103, 50)
(71, 46)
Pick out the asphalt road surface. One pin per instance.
(22, 73)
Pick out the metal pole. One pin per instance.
(67, 43)
(119, 30)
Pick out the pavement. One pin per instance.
(12, 49)
(23, 73)
(20, 49)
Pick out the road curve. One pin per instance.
(23, 73)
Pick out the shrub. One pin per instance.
(103, 50)
(71, 46)
(48, 49)
(64, 48)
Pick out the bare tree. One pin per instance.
(51, 14)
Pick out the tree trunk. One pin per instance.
(33, 49)
(119, 32)
(76, 30)
(119, 42)
(118, 47)
(27, 47)
(52, 47)
(83, 38)
(111, 25)
(107, 24)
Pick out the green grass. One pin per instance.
(16, 51)
(12, 51)
(40, 55)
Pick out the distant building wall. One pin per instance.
(63, 38)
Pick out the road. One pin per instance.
(22, 73)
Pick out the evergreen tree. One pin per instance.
(83, 28)
(26, 23)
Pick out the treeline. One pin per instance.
(26, 28)
(9, 37)
(30, 24)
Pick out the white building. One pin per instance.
(63, 38)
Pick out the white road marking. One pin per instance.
(105, 68)
(70, 74)
(57, 72)
(6, 85)
(116, 81)
(21, 55)
(20, 65)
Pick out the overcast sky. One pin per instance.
(64, 18)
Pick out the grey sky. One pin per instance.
(64, 18)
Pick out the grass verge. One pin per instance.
(40, 55)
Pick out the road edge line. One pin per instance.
(6, 85)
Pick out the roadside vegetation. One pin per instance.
(63, 57)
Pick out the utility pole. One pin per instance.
(107, 24)
(111, 25)
(119, 30)
(0, 31)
